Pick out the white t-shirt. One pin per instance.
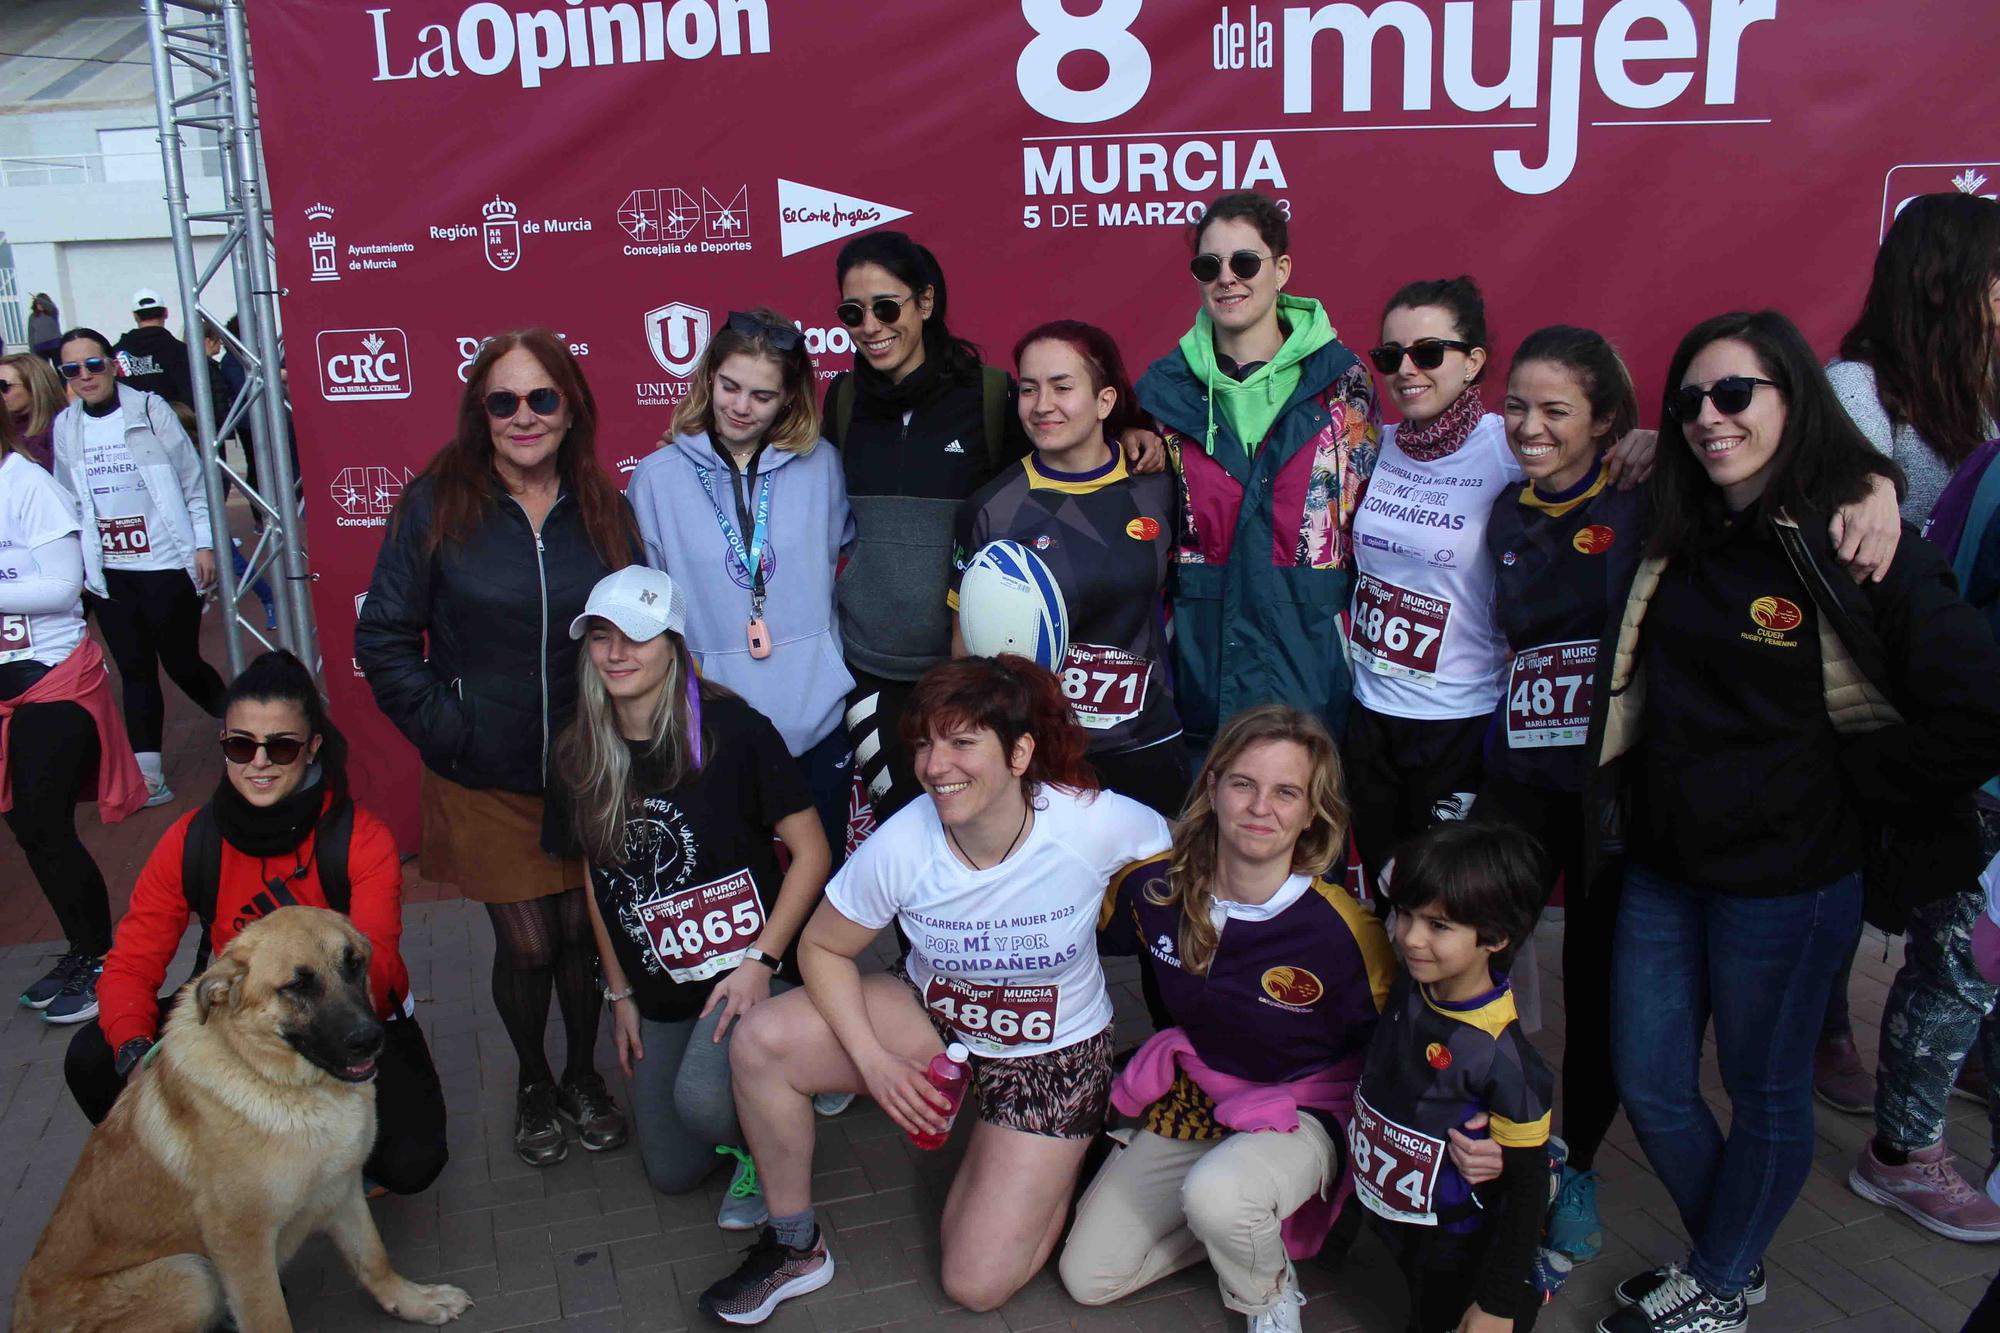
(1423, 641)
(129, 525)
(33, 511)
(1007, 955)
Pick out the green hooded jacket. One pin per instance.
(1252, 404)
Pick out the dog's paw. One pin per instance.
(429, 1304)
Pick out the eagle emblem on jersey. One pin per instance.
(1293, 986)
(1594, 538)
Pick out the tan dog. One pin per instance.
(244, 1134)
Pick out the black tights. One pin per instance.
(539, 945)
(51, 758)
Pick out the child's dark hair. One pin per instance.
(279, 677)
(1484, 875)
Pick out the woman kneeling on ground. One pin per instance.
(995, 873)
(1274, 977)
(280, 831)
(676, 788)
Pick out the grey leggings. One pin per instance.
(681, 1102)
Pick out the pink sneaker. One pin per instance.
(1930, 1191)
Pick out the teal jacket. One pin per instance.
(1259, 583)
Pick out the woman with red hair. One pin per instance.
(995, 874)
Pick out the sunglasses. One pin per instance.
(1245, 264)
(1424, 353)
(8, 386)
(782, 337)
(504, 403)
(1730, 394)
(94, 364)
(282, 750)
(888, 309)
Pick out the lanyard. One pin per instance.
(753, 559)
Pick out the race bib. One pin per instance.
(1105, 686)
(16, 643)
(994, 1017)
(1395, 1167)
(702, 931)
(124, 539)
(1548, 695)
(1398, 632)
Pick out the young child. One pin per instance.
(1449, 1046)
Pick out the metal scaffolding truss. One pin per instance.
(202, 85)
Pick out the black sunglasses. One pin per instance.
(1731, 394)
(504, 403)
(1424, 353)
(888, 309)
(783, 337)
(8, 386)
(283, 750)
(94, 364)
(1245, 264)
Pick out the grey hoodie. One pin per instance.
(802, 686)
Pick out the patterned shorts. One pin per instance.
(1059, 1094)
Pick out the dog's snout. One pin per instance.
(364, 1040)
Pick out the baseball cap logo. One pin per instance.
(649, 597)
(1776, 613)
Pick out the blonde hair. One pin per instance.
(796, 430)
(1191, 881)
(46, 396)
(594, 762)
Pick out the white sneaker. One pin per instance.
(1283, 1315)
(832, 1103)
(158, 793)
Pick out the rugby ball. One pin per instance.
(1008, 602)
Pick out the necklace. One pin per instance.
(1025, 808)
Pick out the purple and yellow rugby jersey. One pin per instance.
(1295, 986)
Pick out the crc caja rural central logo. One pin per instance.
(363, 363)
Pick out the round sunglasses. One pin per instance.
(1424, 354)
(504, 403)
(283, 751)
(1730, 394)
(1245, 264)
(887, 310)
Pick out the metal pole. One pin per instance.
(185, 271)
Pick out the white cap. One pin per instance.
(639, 600)
(146, 299)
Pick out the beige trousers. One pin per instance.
(1160, 1204)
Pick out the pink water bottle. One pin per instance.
(947, 1074)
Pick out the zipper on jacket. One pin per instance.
(542, 663)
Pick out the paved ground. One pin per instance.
(587, 1245)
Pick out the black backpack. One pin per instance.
(201, 868)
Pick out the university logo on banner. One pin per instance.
(675, 334)
(809, 216)
(363, 364)
(1908, 180)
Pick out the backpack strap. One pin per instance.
(993, 402)
(330, 847)
(201, 877)
(843, 407)
(1985, 503)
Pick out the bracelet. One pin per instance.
(614, 996)
(753, 954)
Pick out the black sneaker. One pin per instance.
(52, 982)
(1679, 1304)
(76, 1002)
(1635, 1289)
(538, 1135)
(770, 1272)
(586, 1103)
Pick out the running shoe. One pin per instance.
(76, 1002)
(832, 1103)
(1574, 1227)
(158, 793)
(1679, 1304)
(586, 1103)
(1551, 1270)
(1929, 1190)
(538, 1134)
(51, 983)
(1635, 1289)
(771, 1272)
(743, 1206)
(1282, 1316)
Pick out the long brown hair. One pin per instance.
(46, 398)
(462, 472)
(796, 427)
(1197, 839)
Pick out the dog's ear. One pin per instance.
(221, 984)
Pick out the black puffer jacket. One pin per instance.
(499, 682)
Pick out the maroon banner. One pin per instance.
(628, 173)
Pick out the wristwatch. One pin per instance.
(753, 954)
(130, 1054)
